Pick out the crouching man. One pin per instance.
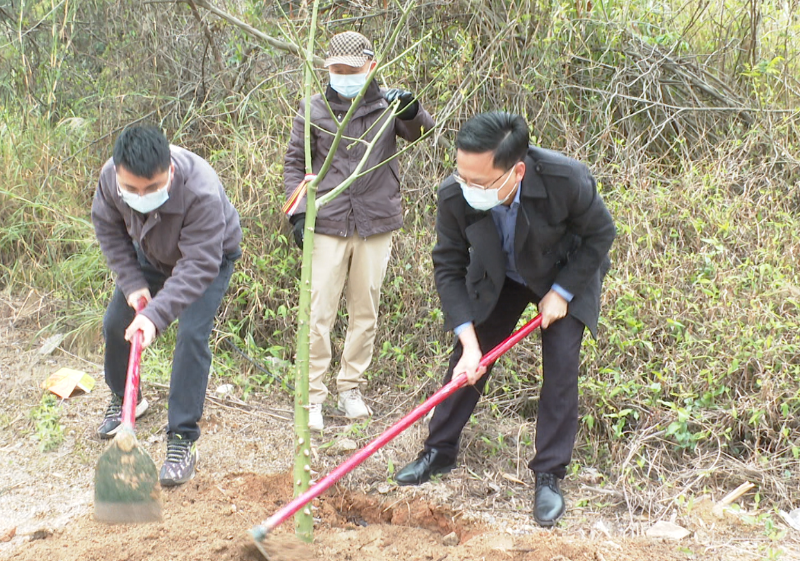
(170, 236)
(516, 225)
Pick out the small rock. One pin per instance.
(225, 389)
(342, 446)
(233, 509)
(348, 445)
(450, 540)
(9, 535)
(384, 488)
(51, 343)
(792, 519)
(591, 476)
(41, 534)
(667, 530)
(219, 546)
(193, 535)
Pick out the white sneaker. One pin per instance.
(315, 421)
(352, 403)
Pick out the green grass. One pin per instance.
(46, 418)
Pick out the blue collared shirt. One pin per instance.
(505, 219)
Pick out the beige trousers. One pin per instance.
(363, 262)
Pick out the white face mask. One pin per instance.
(348, 85)
(484, 199)
(148, 202)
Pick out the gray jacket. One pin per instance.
(371, 205)
(563, 234)
(186, 238)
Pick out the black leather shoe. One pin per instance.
(428, 463)
(548, 502)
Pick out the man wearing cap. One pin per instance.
(353, 233)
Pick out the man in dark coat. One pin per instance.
(516, 224)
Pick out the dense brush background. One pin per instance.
(686, 111)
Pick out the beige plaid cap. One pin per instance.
(350, 48)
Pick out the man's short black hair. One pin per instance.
(504, 134)
(142, 150)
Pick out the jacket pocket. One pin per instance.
(478, 280)
(561, 253)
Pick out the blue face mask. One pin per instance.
(148, 202)
(348, 85)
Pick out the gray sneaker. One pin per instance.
(180, 463)
(113, 418)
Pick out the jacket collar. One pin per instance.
(532, 185)
(175, 202)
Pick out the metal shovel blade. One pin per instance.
(126, 489)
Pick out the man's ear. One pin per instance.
(372, 65)
(520, 171)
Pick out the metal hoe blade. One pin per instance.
(258, 541)
(126, 489)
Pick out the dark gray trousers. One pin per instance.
(191, 360)
(557, 420)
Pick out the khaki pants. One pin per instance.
(364, 261)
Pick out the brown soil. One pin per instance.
(46, 507)
(207, 519)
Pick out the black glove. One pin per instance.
(408, 107)
(299, 226)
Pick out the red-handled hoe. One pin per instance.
(259, 533)
(126, 487)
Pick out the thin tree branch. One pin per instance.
(322, 201)
(212, 44)
(281, 45)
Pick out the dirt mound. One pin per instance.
(208, 518)
(361, 510)
(203, 520)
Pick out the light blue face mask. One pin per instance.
(348, 85)
(148, 202)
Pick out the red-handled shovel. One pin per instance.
(259, 533)
(126, 487)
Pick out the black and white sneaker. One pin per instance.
(180, 463)
(113, 419)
